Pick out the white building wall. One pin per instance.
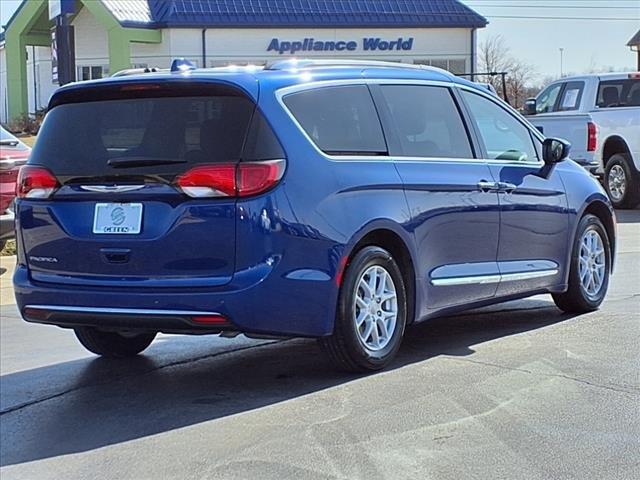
(228, 45)
(91, 41)
(442, 47)
(152, 54)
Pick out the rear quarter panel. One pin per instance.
(322, 208)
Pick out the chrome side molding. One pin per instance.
(122, 311)
(493, 278)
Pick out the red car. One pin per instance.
(13, 154)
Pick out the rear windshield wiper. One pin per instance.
(130, 162)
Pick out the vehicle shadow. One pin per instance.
(108, 402)
(628, 216)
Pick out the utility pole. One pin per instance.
(561, 62)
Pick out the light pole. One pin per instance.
(561, 60)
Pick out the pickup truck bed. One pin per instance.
(600, 116)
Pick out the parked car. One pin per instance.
(336, 201)
(13, 154)
(600, 115)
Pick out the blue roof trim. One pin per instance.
(294, 13)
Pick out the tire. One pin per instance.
(578, 298)
(112, 344)
(349, 347)
(622, 182)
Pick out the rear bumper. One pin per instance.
(273, 304)
(170, 321)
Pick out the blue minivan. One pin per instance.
(328, 199)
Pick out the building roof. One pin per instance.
(294, 13)
(635, 40)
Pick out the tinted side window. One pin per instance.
(619, 93)
(504, 137)
(571, 96)
(546, 101)
(340, 120)
(427, 122)
(261, 142)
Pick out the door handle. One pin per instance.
(485, 186)
(506, 187)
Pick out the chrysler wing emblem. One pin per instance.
(111, 188)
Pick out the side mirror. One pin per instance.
(555, 150)
(530, 107)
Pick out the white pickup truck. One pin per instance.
(600, 115)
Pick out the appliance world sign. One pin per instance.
(373, 44)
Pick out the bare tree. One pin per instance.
(519, 83)
(495, 56)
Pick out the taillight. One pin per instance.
(35, 182)
(257, 177)
(230, 179)
(209, 181)
(592, 137)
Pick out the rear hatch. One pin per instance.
(126, 208)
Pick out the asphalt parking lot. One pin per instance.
(514, 391)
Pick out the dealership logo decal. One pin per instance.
(312, 45)
(118, 216)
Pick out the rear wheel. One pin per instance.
(589, 270)
(113, 344)
(622, 181)
(371, 313)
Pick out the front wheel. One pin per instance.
(113, 344)
(589, 270)
(622, 182)
(372, 313)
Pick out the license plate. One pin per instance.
(117, 218)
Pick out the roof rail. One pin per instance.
(311, 63)
(138, 71)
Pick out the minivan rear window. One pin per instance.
(156, 135)
(339, 120)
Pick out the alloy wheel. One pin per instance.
(375, 308)
(592, 262)
(617, 182)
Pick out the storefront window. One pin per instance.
(92, 72)
(455, 66)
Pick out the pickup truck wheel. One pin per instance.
(622, 182)
(113, 344)
(589, 269)
(371, 316)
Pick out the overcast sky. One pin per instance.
(593, 33)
